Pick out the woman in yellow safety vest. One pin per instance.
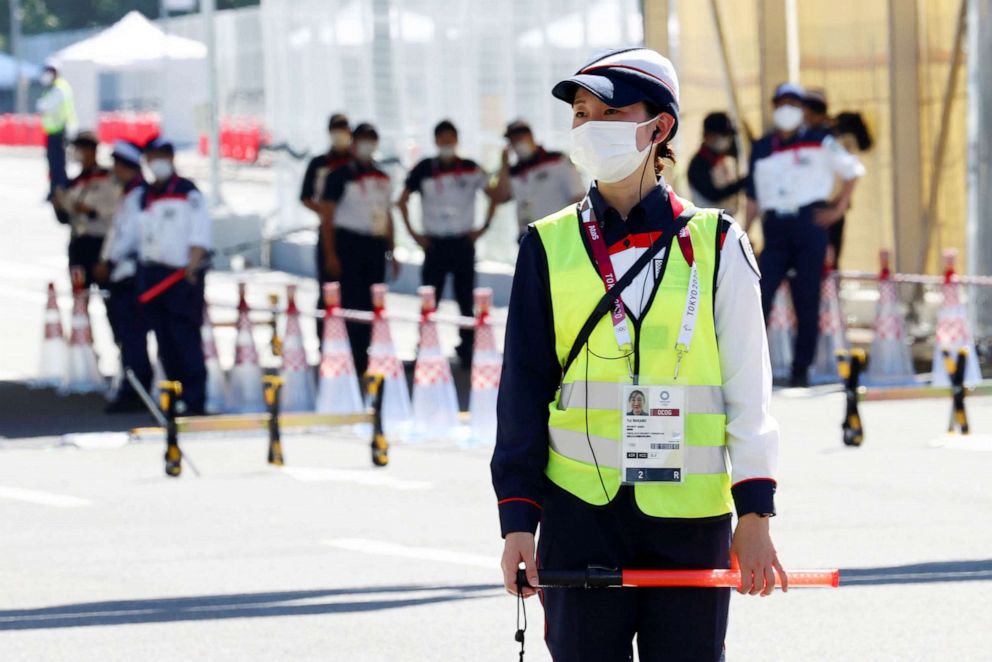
(633, 407)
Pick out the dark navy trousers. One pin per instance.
(363, 264)
(599, 625)
(127, 321)
(55, 151)
(795, 242)
(176, 316)
(455, 256)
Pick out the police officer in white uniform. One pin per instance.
(118, 269)
(174, 233)
(793, 172)
(357, 200)
(447, 185)
(541, 181)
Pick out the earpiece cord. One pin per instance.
(599, 472)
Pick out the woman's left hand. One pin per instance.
(753, 548)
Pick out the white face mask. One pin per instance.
(523, 151)
(722, 144)
(364, 149)
(340, 139)
(788, 118)
(161, 169)
(46, 78)
(447, 152)
(607, 151)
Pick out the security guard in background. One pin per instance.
(313, 190)
(541, 181)
(356, 211)
(118, 270)
(87, 205)
(447, 185)
(607, 489)
(793, 174)
(58, 115)
(713, 179)
(174, 231)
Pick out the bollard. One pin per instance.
(170, 393)
(380, 446)
(276, 342)
(850, 365)
(956, 369)
(272, 384)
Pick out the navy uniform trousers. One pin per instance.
(55, 152)
(127, 321)
(795, 242)
(455, 256)
(599, 625)
(363, 264)
(176, 316)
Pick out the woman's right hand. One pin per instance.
(517, 547)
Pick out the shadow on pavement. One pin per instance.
(920, 573)
(241, 605)
(28, 412)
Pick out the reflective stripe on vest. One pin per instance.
(606, 395)
(576, 445)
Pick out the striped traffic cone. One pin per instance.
(953, 331)
(890, 362)
(383, 361)
(83, 374)
(435, 402)
(782, 332)
(244, 386)
(297, 392)
(54, 358)
(337, 392)
(215, 374)
(833, 337)
(487, 364)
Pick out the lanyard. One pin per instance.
(604, 265)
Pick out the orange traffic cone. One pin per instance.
(890, 362)
(953, 330)
(782, 332)
(383, 361)
(53, 360)
(215, 374)
(435, 402)
(833, 337)
(337, 392)
(83, 375)
(297, 392)
(244, 387)
(487, 364)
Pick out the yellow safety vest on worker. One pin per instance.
(57, 107)
(587, 411)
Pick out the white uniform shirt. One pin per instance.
(363, 198)
(122, 244)
(447, 195)
(173, 220)
(543, 184)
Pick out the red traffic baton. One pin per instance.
(162, 285)
(599, 577)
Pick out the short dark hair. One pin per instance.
(365, 130)
(338, 121)
(445, 126)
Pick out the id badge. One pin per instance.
(653, 434)
(380, 221)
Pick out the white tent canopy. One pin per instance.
(131, 41)
(136, 60)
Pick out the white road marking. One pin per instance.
(372, 478)
(43, 498)
(384, 548)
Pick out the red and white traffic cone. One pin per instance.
(297, 392)
(244, 385)
(83, 374)
(435, 402)
(890, 362)
(337, 392)
(782, 332)
(54, 358)
(953, 330)
(215, 374)
(487, 364)
(396, 407)
(833, 336)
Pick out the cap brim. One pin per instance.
(611, 91)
